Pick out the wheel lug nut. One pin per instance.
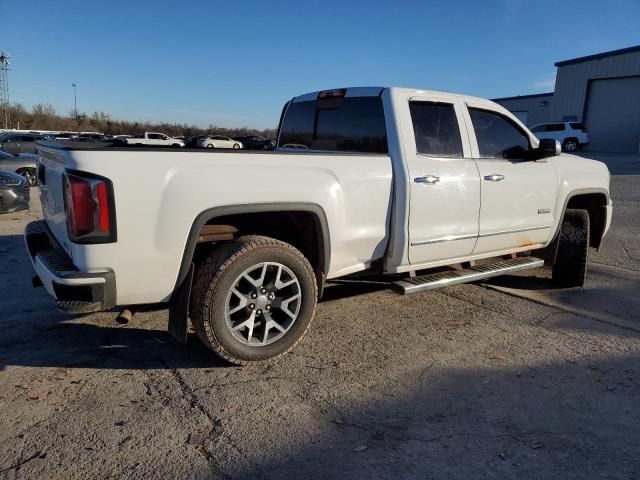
(252, 306)
(259, 312)
(271, 296)
(267, 308)
(254, 295)
(263, 290)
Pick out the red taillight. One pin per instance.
(80, 207)
(88, 209)
(103, 207)
(337, 93)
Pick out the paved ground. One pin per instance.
(469, 382)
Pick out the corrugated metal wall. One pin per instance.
(538, 107)
(573, 80)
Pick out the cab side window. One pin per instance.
(497, 136)
(436, 129)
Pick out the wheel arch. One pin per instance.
(595, 201)
(321, 232)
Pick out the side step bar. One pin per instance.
(454, 277)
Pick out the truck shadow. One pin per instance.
(38, 335)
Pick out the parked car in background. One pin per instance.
(154, 139)
(20, 142)
(218, 141)
(571, 135)
(14, 192)
(192, 142)
(24, 164)
(252, 142)
(63, 136)
(91, 136)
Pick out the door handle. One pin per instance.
(428, 179)
(494, 177)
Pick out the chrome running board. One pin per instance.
(432, 281)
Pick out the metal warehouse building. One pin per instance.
(602, 91)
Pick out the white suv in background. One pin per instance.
(570, 134)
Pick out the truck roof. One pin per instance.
(375, 91)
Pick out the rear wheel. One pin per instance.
(570, 267)
(570, 145)
(253, 299)
(236, 146)
(209, 145)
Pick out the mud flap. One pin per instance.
(179, 308)
(550, 252)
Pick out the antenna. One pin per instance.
(5, 114)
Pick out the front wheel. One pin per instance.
(209, 145)
(253, 299)
(29, 175)
(570, 267)
(236, 146)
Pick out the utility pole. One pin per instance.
(4, 90)
(75, 105)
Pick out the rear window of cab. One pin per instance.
(351, 124)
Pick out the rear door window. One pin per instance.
(436, 129)
(352, 124)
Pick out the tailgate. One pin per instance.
(51, 169)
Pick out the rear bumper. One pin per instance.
(74, 291)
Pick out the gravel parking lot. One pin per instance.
(497, 380)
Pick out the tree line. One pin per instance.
(45, 117)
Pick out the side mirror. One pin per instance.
(549, 148)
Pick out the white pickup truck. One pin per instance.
(156, 139)
(431, 189)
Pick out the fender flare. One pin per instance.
(576, 193)
(549, 252)
(203, 217)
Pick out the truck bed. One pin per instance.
(159, 193)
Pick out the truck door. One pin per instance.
(518, 196)
(444, 182)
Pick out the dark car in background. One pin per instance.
(252, 142)
(20, 142)
(24, 164)
(14, 192)
(192, 142)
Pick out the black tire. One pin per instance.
(210, 145)
(570, 145)
(217, 275)
(176, 145)
(570, 267)
(236, 146)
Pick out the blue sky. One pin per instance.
(235, 63)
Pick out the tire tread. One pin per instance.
(207, 280)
